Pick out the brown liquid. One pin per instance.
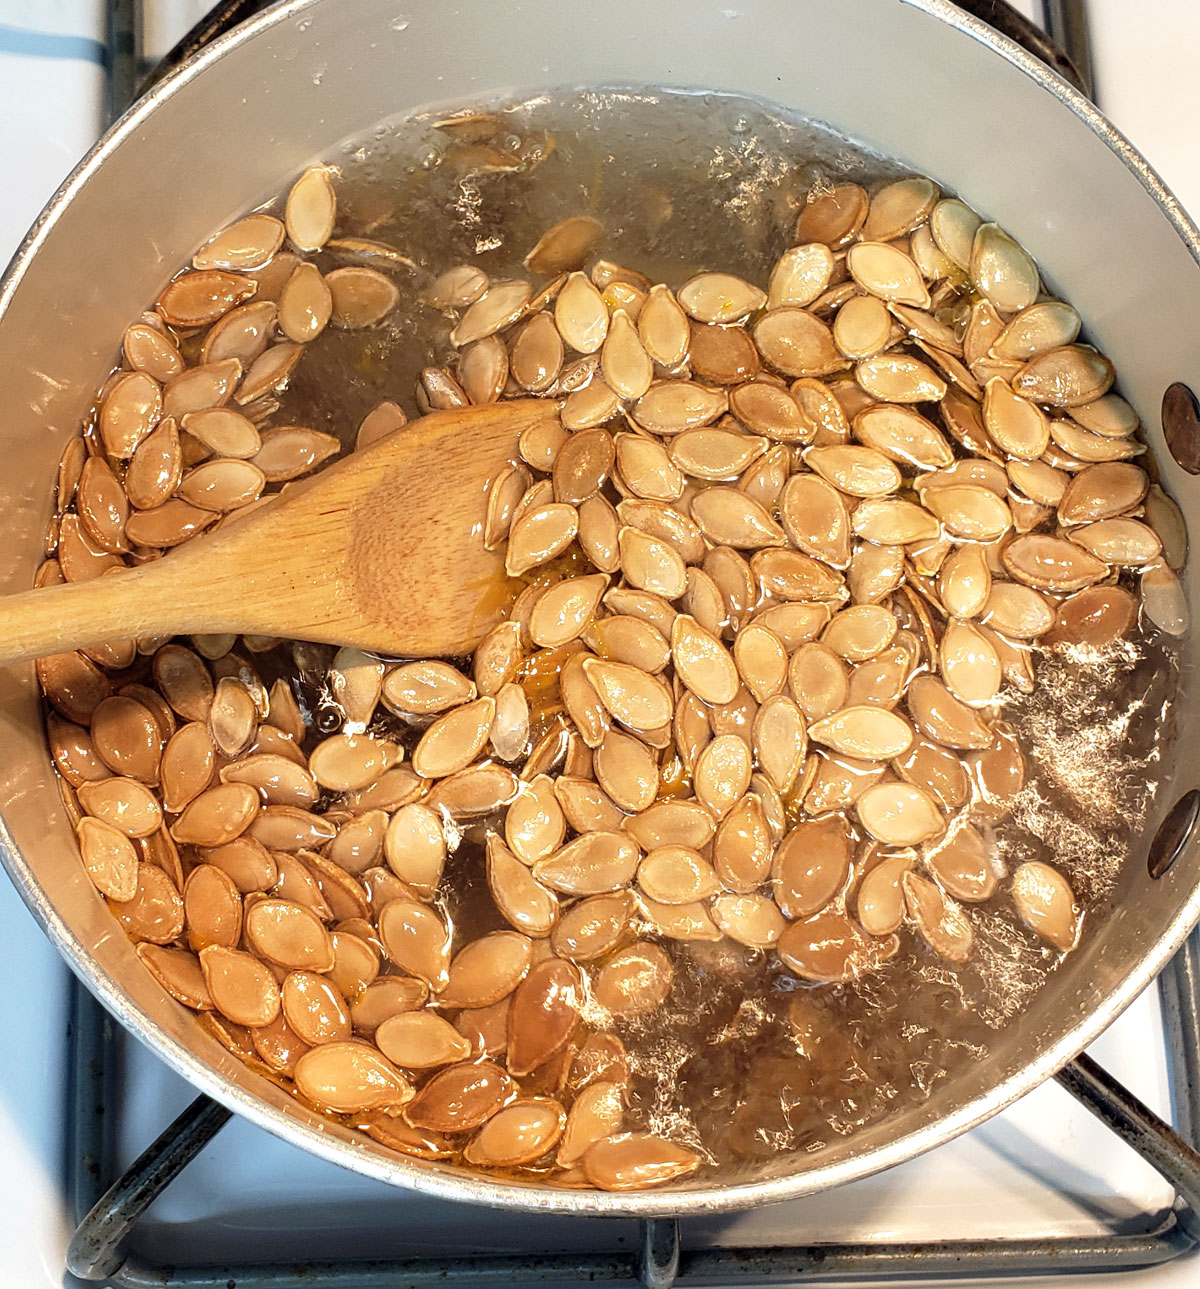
(744, 1061)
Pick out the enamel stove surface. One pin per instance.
(1043, 1167)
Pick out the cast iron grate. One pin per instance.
(104, 1248)
(107, 1208)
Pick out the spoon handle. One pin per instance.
(148, 601)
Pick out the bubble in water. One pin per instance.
(303, 24)
(399, 24)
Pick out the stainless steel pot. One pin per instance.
(914, 78)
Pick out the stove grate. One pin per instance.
(103, 1249)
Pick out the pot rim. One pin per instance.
(476, 1188)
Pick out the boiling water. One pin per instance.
(744, 1061)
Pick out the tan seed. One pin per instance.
(627, 368)
(899, 814)
(416, 940)
(487, 970)
(415, 847)
(939, 920)
(360, 297)
(797, 343)
(1002, 270)
(347, 1077)
(880, 899)
(311, 209)
(522, 900)
(1069, 376)
(544, 1010)
(539, 535)
(830, 947)
(426, 687)
(592, 864)
(886, 272)
(461, 1097)
(900, 378)
(241, 987)
(720, 298)
(1046, 904)
(1052, 563)
(722, 773)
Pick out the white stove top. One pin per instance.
(1043, 1167)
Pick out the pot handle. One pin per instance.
(1064, 46)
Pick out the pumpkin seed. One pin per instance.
(240, 986)
(899, 814)
(721, 355)
(1068, 376)
(883, 271)
(969, 664)
(963, 864)
(866, 732)
(499, 307)
(830, 947)
(360, 297)
(1051, 563)
(953, 226)
(1002, 270)
(416, 939)
(800, 275)
(636, 1161)
(592, 864)
(646, 468)
(626, 366)
(833, 216)
(1017, 611)
(1095, 617)
(880, 902)
(810, 867)
(720, 298)
(1101, 492)
(539, 535)
(1119, 541)
(1046, 904)
(899, 378)
(635, 981)
(544, 1010)
(797, 343)
(487, 970)
(940, 922)
(675, 874)
(722, 773)
(1163, 598)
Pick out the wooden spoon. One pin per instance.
(383, 550)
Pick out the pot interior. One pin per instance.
(905, 80)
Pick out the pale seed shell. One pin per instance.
(636, 1161)
(420, 1040)
(899, 814)
(627, 368)
(461, 1097)
(1051, 563)
(360, 297)
(663, 327)
(1046, 904)
(886, 272)
(939, 920)
(241, 987)
(592, 864)
(1002, 270)
(720, 298)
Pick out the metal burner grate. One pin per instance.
(104, 1248)
(107, 1208)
